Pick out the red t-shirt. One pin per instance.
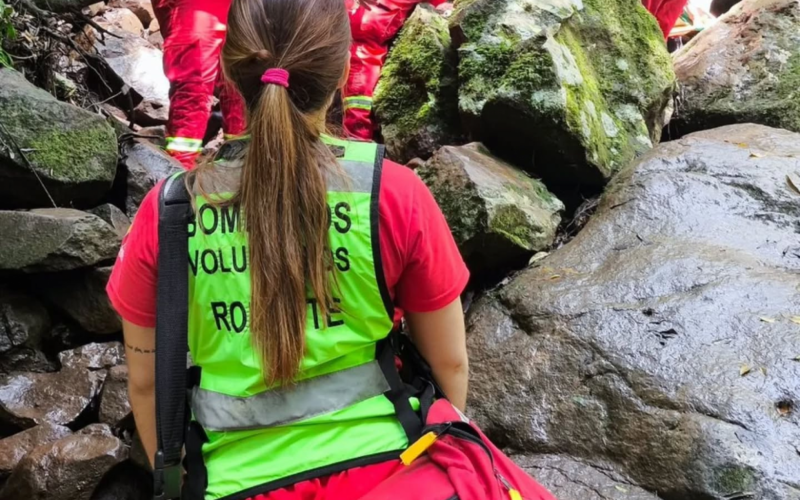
(423, 268)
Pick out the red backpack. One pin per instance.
(454, 460)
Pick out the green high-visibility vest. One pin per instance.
(336, 416)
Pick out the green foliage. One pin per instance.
(7, 32)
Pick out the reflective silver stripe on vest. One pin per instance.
(358, 179)
(309, 398)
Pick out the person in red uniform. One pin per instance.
(666, 12)
(373, 27)
(423, 271)
(194, 31)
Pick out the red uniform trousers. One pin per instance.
(666, 12)
(372, 31)
(194, 32)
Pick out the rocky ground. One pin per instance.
(630, 218)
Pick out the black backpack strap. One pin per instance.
(172, 331)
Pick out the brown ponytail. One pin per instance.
(283, 193)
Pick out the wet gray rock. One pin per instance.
(496, 212)
(23, 320)
(416, 100)
(96, 430)
(151, 114)
(142, 8)
(81, 295)
(146, 165)
(67, 469)
(139, 65)
(29, 399)
(121, 19)
(745, 68)
(661, 340)
(72, 151)
(26, 359)
(96, 356)
(569, 479)
(50, 239)
(572, 90)
(14, 448)
(115, 217)
(114, 405)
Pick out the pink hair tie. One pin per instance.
(276, 76)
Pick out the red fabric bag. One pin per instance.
(460, 464)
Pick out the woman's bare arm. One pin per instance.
(441, 339)
(140, 350)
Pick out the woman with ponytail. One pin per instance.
(305, 252)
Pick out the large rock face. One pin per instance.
(662, 341)
(745, 68)
(81, 295)
(139, 65)
(14, 448)
(23, 321)
(146, 165)
(114, 404)
(54, 239)
(496, 212)
(28, 399)
(416, 100)
(67, 469)
(72, 152)
(574, 89)
(569, 479)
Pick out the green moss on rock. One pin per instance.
(580, 86)
(64, 153)
(416, 98)
(495, 211)
(73, 151)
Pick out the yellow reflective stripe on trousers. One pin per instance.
(358, 102)
(184, 144)
(306, 399)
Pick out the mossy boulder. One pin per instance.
(48, 146)
(497, 213)
(744, 69)
(570, 89)
(54, 239)
(416, 101)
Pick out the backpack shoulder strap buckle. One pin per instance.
(167, 479)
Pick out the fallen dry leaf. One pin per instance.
(742, 145)
(620, 488)
(753, 154)
(555, 276)
(796, 358)
(794, 181)
(744, 370)
(537, 257)
(763, 371)
(767, 320)
(795, 319)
